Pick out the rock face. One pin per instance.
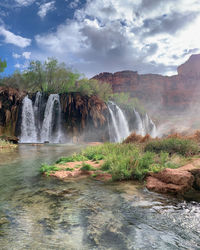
(10, 105)
(176, 181)
(83, 117)
(174, 92)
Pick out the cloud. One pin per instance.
(16, 56)
(169, 23)
(11, 38)
(17, 65)
(45, 8)
(112, 35)
(24, 2)
(26, 54)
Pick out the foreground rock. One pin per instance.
(176, 181)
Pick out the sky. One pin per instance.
(93, 36)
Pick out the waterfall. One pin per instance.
(37, 113)
(119, 128)
(140, 125)
(150, 126)
(52, 120)
(28, 128)
(116, 135)
(145, 125)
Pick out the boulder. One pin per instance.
(156, 185)
(175, 176)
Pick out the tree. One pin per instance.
(3, 65)
(35, 76)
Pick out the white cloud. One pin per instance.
(24, 2)
(26, 54)
(111, 35)
(16, 56)
(45, 8)
(11, 38)
(17, 65)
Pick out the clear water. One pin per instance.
(44, 213)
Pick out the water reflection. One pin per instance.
(43, 213)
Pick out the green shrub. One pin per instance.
(173, 145)
(74, 157)
(143, 165)
(87, 167)
(93, 153)
(48, 168)
(69, 169)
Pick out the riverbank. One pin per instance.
(7, 145)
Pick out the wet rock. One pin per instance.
(170, 181)
(175, 176)
(3, 221)
(61, 193)
(159, 186)
(196, 174)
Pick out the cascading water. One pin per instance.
(118, 128)
(140, 126)
(28, 128)
(37, 113)
(52, 120)
(149, 126)
(39, 125)
(114, 135)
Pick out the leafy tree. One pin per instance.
(35, 75)
(52, 77)
(124, 99)
(3, 65)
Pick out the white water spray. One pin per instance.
(49, 122)
(119, 128)
(28, 128)
(140, 126)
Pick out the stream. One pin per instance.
(38, 212)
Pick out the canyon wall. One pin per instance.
(159, 92)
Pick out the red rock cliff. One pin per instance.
(174, 92)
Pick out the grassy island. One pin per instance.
(129, 160)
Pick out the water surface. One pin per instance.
(37, 212)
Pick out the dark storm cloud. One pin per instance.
(108, 10)
(168, 23)
(152, 4)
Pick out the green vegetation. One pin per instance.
(47, 169)
(74, 157)
(87, 167)
(181, 146)
(7, 144)
(127, 161)
(54, 77)
(3, 65)
(127, 102)
(69, 169)
(135, 161)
